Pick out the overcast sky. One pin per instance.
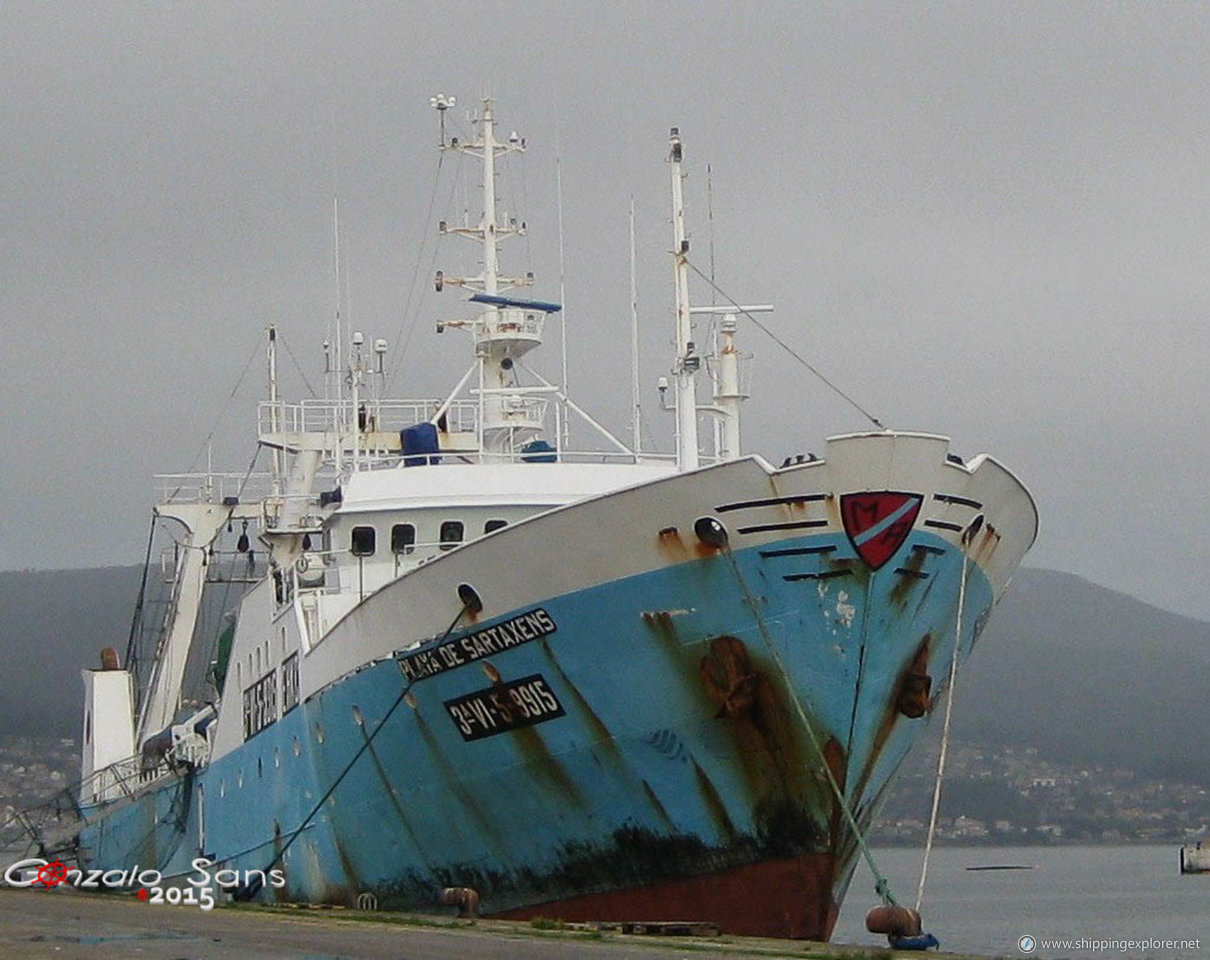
(984, 220)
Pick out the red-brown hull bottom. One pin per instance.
(777, 898)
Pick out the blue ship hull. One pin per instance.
(683, 768)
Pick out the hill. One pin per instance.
(1089, 676)
(52, 624)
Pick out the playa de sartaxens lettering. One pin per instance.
(523, 628)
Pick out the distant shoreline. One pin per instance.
(1001, 843)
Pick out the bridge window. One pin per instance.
(494, 525)
(451, 534)
(403, 538)
(363, 542)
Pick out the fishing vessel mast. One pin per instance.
(729, 391)
(687, 362)
(510, 415)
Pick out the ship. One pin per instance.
(585, 684)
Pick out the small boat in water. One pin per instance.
(1195, 858)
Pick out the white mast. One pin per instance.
(725, 368)
(508, 328)
(564, 427)
(355, 371)
(635, 395)
(338, 413)
(491, 282)
(273, 408)
(728, 394)
(687, 362)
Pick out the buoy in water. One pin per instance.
(893, 921)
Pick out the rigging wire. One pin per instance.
(307, 383)
(790, 350)
(294, 835)
(222, 413)
(710, 230)
(712, 371)
(407, 323)
(131, 659)
(248, 472)
(529, 258)
(566, 438)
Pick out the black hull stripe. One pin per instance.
(792, 525)
(798, 551)
(770, 502)
(825, 575)
(944, 525)
(961, 501)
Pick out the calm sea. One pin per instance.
(1072, 894)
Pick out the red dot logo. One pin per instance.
(52, 874)
(143, 894)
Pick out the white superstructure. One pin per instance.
(362, 489)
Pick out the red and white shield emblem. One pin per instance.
(878, 523)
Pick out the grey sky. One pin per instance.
(988, 221)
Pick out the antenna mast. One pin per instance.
(635, 395)
(273, 408)
(687, 362)
(566, 437)
(508, 328)
(338, 409)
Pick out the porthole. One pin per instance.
(403, 538)
(362, 542)
(451, 534)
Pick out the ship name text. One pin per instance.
(523, 628)
(260, 704)
(289, 683)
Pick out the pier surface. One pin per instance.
(74, 926)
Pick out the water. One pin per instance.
(1073, 894)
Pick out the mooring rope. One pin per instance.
(945, 733)
(881, 885)
(279, 856)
